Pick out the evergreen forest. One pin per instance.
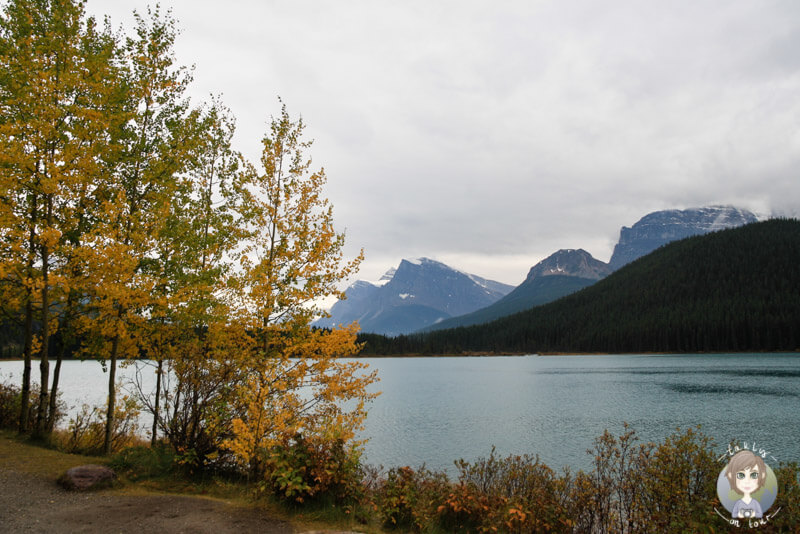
(733, 290)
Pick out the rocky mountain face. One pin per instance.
(427, 295)
(661, 227)
(416, 294)
(558, 275)
(568, 271)
(570, 262)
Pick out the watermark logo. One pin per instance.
(746, 486)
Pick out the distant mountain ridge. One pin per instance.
(572, 270)
(425, 295)
(416, 294)
(733, 290)
(569, 262)
(661, 227)
(560, 274)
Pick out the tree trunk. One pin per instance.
(26, 369)
(66, 337)
(173, 424)
(51, 413)
(112, 392)
(154, 438)
(44, 362)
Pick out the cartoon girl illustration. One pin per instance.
(746, 474)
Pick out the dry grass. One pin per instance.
(25, 456)
(17, 454)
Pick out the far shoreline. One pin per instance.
(795, 352)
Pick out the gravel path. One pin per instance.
(30, 503)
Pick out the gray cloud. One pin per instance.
(490, 134)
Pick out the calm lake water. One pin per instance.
(436, 410)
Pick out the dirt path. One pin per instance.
(30, 503)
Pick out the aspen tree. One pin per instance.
(295, 382)
(191, 265)
(56, 69)
(151, 152)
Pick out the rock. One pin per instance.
(569, 262)
(86, 477)
(662, 227)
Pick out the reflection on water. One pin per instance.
(732, 389)
(783, 373)
(436, 410)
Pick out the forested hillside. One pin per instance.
(734, 290)
(535, 293)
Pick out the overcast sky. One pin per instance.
(488, 135)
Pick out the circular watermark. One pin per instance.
(746, 486)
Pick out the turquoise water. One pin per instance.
(436, 410)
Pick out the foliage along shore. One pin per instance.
(633, 487)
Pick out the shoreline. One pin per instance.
(566, 353)
(479, 354)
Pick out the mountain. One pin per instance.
(569, 262)
(568, 271)
(560, 274)
(661, 227)
(732, 290)
(416, 294)
(425, 295)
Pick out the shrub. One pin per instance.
(467, 509)
(675, 484)
(582, 497)
(141, 462)
(304, 469)
(9, 406)
(85, 433)
(650, 487)
(408, 500)
(513, 494)
(10, 402)
(787, 517)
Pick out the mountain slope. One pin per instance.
(417, 294)
(579, 269)
(733, 290)
(560, 274)
(661, 227)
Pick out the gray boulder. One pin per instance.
(87, 477)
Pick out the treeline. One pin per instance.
(12, 335)
(734, 290)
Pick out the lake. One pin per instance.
(436, 410)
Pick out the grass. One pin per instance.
(26, 456)
(22, 455)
